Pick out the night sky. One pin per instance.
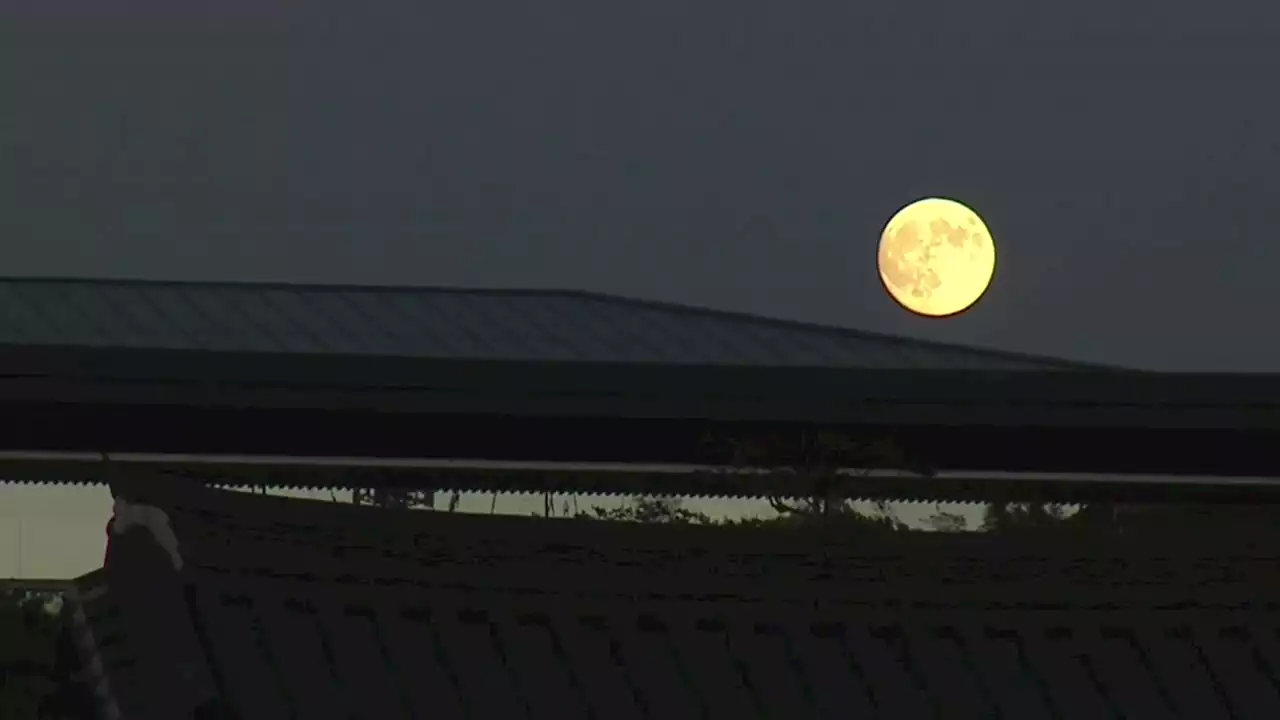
(738, 154)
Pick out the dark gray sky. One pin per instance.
(740, 154)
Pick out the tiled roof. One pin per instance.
(318, 610)
(447, 324)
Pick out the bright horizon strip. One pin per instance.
(477, 464)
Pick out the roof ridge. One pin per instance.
(617, 299)
(838, 330)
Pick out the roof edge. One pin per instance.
(662, 305)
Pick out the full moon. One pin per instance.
(937, 257)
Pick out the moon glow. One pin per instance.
(936, 257)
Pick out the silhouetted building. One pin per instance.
(221, 604)
(95, 370)
(275, 607)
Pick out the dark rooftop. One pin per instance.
(531, 376)
(447, 323)
(294, 608)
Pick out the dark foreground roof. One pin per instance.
(448, 324)
(292, 608)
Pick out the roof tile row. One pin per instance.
(318, 655)
(295, 615)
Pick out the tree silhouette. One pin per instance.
(826, 463)
(942, 521)
(386, 497)
(823, 462)
(1130, 520)
(1011, 517)
(28, 650)
(650, 510)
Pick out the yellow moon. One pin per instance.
(937, 257)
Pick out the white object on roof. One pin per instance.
(129, 515)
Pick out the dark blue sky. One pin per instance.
(740, 155)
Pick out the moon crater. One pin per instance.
(936, 257)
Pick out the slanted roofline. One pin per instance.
(835, 331)
(639, 395)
